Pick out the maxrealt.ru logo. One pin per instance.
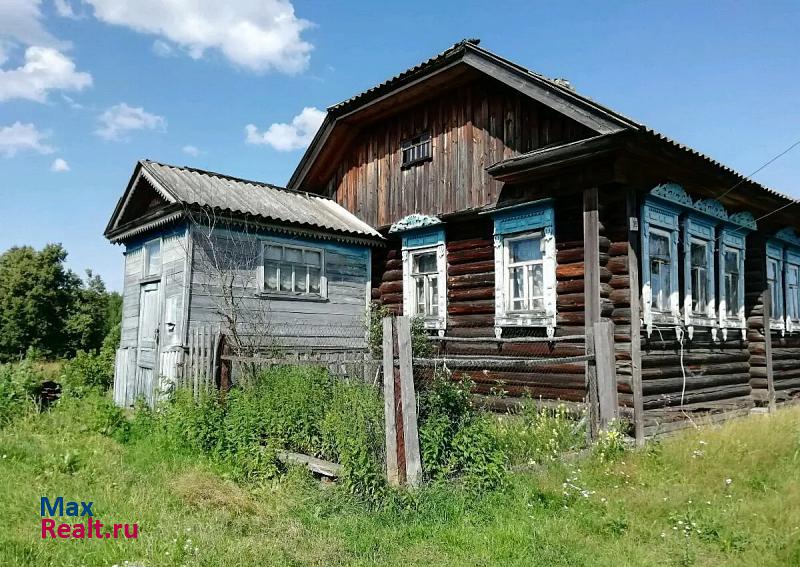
(89, 528)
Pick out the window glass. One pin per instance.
(792, 292)
(660, 271)
(525, 274)
(425, 282)
(152, 258)
(731, 278)
(775, 288)
(699, 278)
(289, 269)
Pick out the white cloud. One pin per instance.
(162, 48)
(23, 137)
(258, 35)
(287, 137)
(21, 23)
(190, 150)
(120, 119)
(64, 9)
(44, 69)
(59, 165)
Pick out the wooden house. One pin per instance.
(506, 204)
(206, 252)
(512, 204)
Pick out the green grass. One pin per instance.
(633, 511)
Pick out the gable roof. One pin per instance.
(465, 57)
(182, 187)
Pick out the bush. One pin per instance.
(535, 434)
(94, 411)
(18, 384)
(455, 438)
(299, 409)
(86, 371)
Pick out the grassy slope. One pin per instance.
(635, 511)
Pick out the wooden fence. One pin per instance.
(403, 461)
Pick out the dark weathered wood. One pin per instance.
(767, 303)
(634, 303)
(591, 236)
(389, 410)
(319, 466)
(593, 418)
(409, 402)
(606, 372)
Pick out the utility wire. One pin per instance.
(747, 178)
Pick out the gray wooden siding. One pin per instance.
(338, 322)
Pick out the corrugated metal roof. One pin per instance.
(191, 186)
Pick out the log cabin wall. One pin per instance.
(471, 307)
(785, 347)
(471, 127)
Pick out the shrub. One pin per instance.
(88, 370)
(17, 387)
(537, 434)
(455, 438)
(94, 411)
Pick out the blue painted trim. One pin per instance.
(775, 250)
(732, 236)
(138, 242)
(423, 237)
(536, 216)
(788, 235)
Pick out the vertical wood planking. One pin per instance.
(591, 291)
(767, 301)
(409, 402)
(606, 372)
(636, 322)
(388, 403)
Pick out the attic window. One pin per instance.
(416, 150)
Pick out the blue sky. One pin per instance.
(87, 87)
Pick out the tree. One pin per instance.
(46, 306)
(36, 293)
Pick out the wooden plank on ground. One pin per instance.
(315, 465)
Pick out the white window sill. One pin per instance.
(291, 297)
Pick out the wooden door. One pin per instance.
(147, 355)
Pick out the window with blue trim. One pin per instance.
(699, 244)
(424, 269)
(783, 280)
(525, 266)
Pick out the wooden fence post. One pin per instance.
(592, 419)
(408, 399)
(606, 372)
(392, 473)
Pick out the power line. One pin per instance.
(747, 178)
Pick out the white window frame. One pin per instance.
(504, 315)
(672, 315)
(438, 321)
(699, 230)
(792, 323)
(508, 265)
(146, 252)
(726, 321)
(323, 280)
(777, 313)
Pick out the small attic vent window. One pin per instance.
(417, 150)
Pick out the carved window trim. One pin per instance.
(425, 241)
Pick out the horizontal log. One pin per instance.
(618, 248)
(654, 359)
(535, 350)
(621, 297)
(576, 270)
(470, 255)
(618, 265)
(675, 371)
(392, 298)
(471, 308)
(470, 280)
(674, 385)
(471, 268)
(458, 245)
(576, 255)
(620, 281)
(525, 378)
(697, 396)
(392, 275)
(470, 294)
(393, 265)
(391, 287)
(572, 395)
(603, 243)
(484, 321)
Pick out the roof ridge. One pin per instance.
(234, 178)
